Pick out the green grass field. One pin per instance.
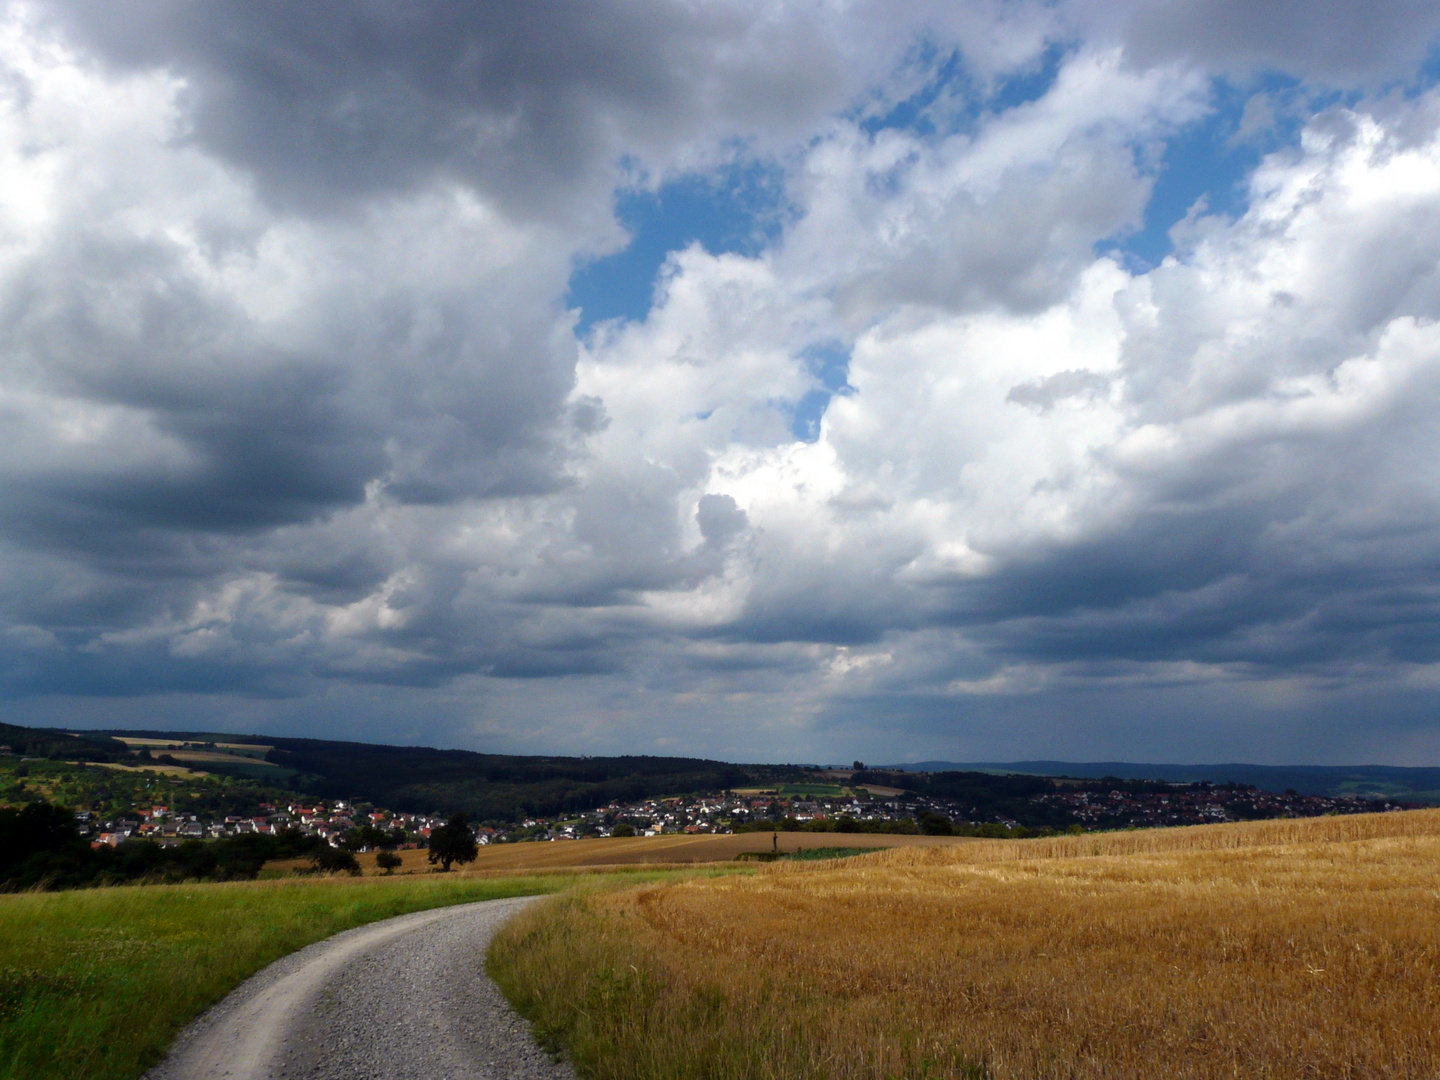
(827, 791)
(802, 791)
(812, 854)
(95, 983)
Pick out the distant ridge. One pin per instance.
(497, 787)
(1394, 781)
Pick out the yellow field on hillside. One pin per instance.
(162, 770)
(678, 850)
(204, 757)
(179, 744)
(1274, 949)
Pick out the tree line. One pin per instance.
(41, 847)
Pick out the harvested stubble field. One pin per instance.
(678, 850)
(1274, 949)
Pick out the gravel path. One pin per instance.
(380, 1002)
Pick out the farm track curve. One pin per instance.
(403, 999)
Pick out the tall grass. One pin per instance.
(95, 983)
(1273, 949)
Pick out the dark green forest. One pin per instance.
(488, 787)
(43, 743)
(495, 787)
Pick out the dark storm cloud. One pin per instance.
(291, 410)
(1247, 613)
(447, 389)
(720, 519)
(1334, 41)
(335, 100)
(271, 434)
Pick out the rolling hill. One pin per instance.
(1409, 784)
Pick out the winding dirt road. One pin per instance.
(403, 999)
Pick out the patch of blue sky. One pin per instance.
(740, 209)
(1029, 83)
(933, 78)
(829, 364)
(1205, 167)
(945, 98)
(1428, 75)
(1212, 159)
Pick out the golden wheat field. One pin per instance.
(1274, 949)
(674, 851)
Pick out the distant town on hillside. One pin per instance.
(171, 787)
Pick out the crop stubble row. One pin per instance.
(1275, 949)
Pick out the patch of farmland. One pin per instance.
(243, 749)
(643, 850)
(214, 756)
(1283, 949)
(155, 767)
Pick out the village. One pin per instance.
(361, 826)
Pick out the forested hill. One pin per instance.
(1416, 784)
(492, 786)
(48, 743)
(496, 787)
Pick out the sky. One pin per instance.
(752, 379)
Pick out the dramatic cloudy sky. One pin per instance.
(758, 379)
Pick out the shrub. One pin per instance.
(332, 860)
(933, 824)
(388, 861)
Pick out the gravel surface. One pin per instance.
(403, 999)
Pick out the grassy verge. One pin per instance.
(95, 983)
(1278, 949)
(808, 854)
